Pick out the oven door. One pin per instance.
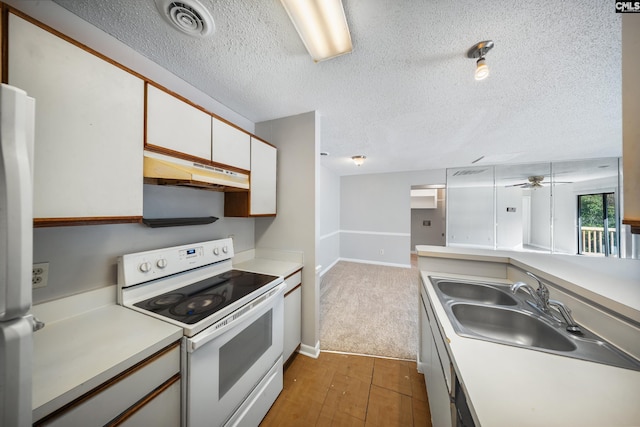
(225, 362)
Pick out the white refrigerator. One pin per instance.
(17, 118)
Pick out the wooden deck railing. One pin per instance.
(593, 240)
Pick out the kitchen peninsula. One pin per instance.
(506, 385)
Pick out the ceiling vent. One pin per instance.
(188, 16)
(468, 172)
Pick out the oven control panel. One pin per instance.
(150, 265)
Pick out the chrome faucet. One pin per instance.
(540, 296)
(564, 311)
(541, 299)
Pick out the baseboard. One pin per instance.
(309, 351)
(366, 261)
(322, 273)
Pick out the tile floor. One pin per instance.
(349, 390)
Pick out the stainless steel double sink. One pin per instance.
(490, 312)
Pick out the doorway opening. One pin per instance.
(598, 231)
(428, 215)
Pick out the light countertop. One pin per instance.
(269, 261)
(269, 266)
(88, 339)
(611, 282)
(509, 386)
(73, 355)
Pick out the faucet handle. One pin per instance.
(542, 291)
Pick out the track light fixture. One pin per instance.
(479, 50)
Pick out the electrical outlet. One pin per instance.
(40, 274)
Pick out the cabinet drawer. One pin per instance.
(292, 281)
(162, 411)
(109, 400)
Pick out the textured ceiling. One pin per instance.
(406, 97)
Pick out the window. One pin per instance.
(597, 223)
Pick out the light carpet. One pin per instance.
(370, 309)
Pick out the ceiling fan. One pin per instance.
(535, 181)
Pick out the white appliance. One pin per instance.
(233, 324)
(17, 118)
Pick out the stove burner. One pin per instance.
(197, 304)
(231, 274)
(198, 300)
(165, 300)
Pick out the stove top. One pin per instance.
(193, 303)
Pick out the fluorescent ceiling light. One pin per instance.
(322, 26)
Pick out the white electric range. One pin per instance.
(233, 323)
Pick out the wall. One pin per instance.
(329, 206)
(296, 225)
(470, 216)
(376, 215)
(84, 257)
(434, 234)
(508, 223)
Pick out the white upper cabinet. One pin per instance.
(263, 178)
(89, 126)
(230, 146)
(176, 125)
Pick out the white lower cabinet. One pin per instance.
(436, 366)
(161, 411)
(292, 315)
(131, 398)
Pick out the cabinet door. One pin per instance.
(176, 125)
(263, 178)
(89, 126)
(292, 322)
(162, 411)
(230, 146)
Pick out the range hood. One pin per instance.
(165, 170)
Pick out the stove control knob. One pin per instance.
(216, 251)
(161, 263)
(145, 267)
(225, 249)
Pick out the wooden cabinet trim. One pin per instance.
(201, 108)
(142, 402)
(294, 273)
(5, 46)
(105, 385)
(299, 285)
(189, 157)
(6, 9)
(633, 223)
(4, 34)
(61, 222)
(262, 140)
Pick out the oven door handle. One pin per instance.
(250, 310)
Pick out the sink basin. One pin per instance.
(476, 292)
(489, 311)
(509, 326)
